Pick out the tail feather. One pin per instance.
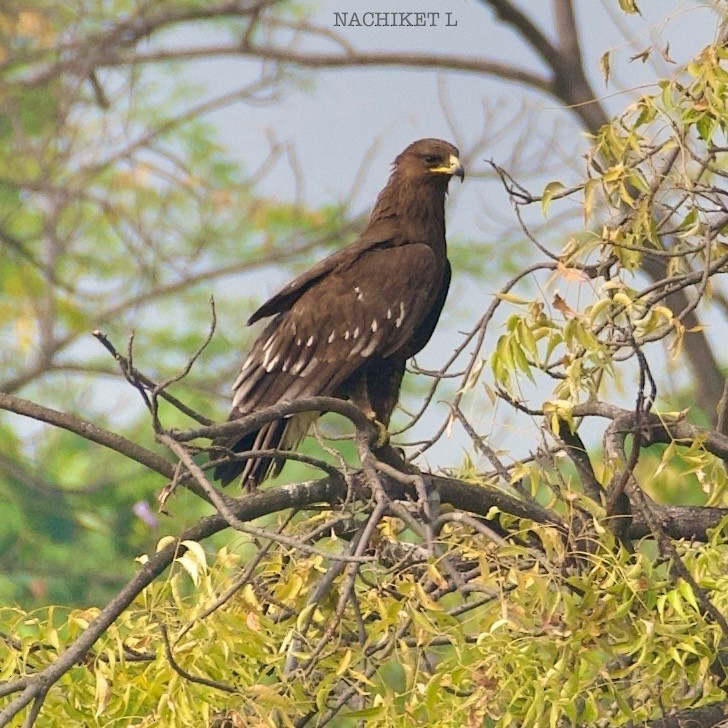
(252, 471)
(284, 434)
(283, 366)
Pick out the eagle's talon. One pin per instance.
(381, 436)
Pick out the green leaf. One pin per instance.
(706, 127)
(551, 189)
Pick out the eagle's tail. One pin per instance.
(283, 434)
(254, 469)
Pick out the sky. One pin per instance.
(335, 119)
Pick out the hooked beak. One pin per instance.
(454, 168)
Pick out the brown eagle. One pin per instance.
(347, 326)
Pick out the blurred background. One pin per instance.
(155, 154)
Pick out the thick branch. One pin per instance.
(99, 435)
(657, 428)
(507, 12)
(337, 60)
(707, 716)
(89, 431)
(566, 30)
(569, 83)
(275, 412)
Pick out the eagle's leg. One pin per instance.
(359, 395)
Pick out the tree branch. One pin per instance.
(706, 716)
(338, 60)
(89, 431)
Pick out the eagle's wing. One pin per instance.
(424, 332)
(379, 234)
(371, 305)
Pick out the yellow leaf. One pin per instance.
(590, 189)
(303, 616)
(103, 693)
(629, 6)
(472, 376)
(513, 298)
(198, 553)
(345, 662)
(551, 189)
(190, 565)
(436, 576)
(164, 542)
(604, 66)
(426, 600)
(250, 598)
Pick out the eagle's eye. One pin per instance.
(430, 159)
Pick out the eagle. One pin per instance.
(347, 326)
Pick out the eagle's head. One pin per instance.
(430, 159)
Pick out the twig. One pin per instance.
(199, 679)
(125, 367)
(722, 424)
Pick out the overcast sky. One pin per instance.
(335, 120)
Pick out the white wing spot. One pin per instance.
(299, 342)
(359, 294)
(369, 347)
(310, 367)
(273, 363)
(269, 342)
(375, 326)
(389, 313)
(310, 341)
(400, 318)
(356, 332)
(347, 334)
(248, 362)
(298, 366)
(332, 336)
(285, 365)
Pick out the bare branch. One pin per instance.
(89, 431)
(128, 370)
(361, 59)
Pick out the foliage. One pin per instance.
(620, 634)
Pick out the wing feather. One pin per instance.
(371, 307)
(380, 233)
